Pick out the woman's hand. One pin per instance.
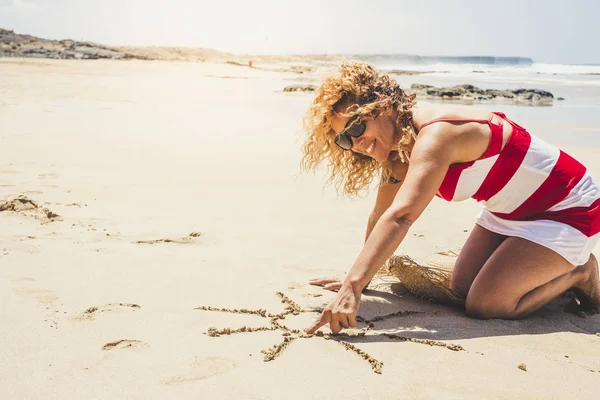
(333, 284)
(341, 312)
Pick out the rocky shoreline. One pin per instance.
(27, 46)
(472, 93)
(465, 93)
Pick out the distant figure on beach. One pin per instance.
(541, 218)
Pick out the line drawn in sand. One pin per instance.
(184, 240)
(291, 335)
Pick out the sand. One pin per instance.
(179, 244)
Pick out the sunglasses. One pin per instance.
(353, 129)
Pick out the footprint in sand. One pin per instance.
(203, 368)
(124, 344)
(24, 279)
(21, 238)
(48, 175)
(44, 297)
(90, 313)
(47, 299)
(22, 244)
(184, 240)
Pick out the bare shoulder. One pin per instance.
(461, 140)
(425, 112)
(438, 143)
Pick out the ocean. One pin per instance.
(574, 121)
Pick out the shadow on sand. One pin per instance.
(444, 322)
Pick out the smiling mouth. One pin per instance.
(369, 149)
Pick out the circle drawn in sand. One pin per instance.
(290, 335)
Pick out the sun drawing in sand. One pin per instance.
(290, 335)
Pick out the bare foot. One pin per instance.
(588, 292)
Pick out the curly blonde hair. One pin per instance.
(367, 92)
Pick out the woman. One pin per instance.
(541, 216)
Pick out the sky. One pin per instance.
(550, 31)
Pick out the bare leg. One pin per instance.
(521, 277)
(588, 291)
(480, 245)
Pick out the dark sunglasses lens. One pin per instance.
(343, 141)
(356, 129)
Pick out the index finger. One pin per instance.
(323, 281)
(323, 319)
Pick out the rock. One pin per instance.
(534, 95)
(417, 86)
(468, 92)
(522, 367)
(560, 98)
(300, 88)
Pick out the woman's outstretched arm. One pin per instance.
(385, 197)
(431, 157)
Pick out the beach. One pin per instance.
(162, 189)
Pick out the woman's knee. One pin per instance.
(487, 307)
(476, 309)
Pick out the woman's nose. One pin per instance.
(358, 143)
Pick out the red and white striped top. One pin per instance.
(528, 180)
